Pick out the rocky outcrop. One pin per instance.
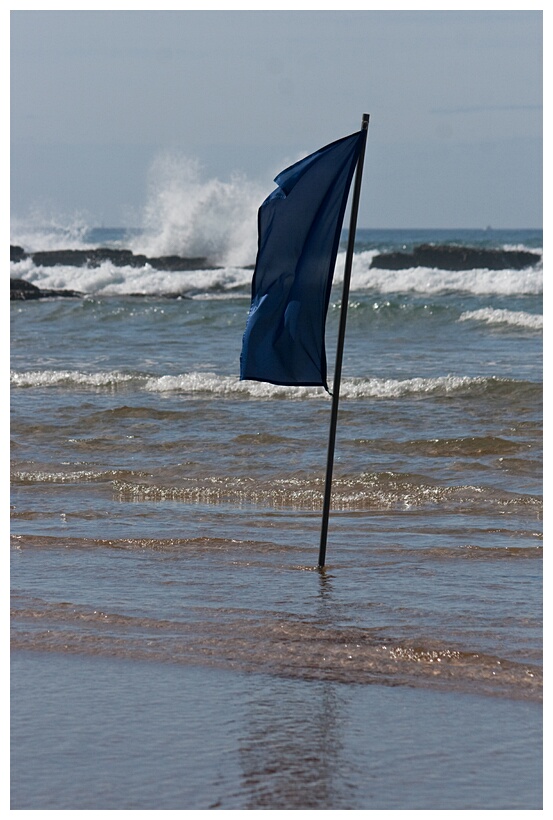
(17, 253)
(94, 257)
(22, 291)
(456, 257)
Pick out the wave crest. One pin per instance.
(230, 386)
(493, 316)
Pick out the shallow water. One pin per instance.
(166, 519)
(95, 733)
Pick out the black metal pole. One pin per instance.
(340, 344)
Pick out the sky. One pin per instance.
(99, 97)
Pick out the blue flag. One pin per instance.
(299, 228)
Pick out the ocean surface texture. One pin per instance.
(174, 645)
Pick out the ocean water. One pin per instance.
(165, 523)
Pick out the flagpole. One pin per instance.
(340, 344)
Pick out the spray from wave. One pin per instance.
(189, 216)
(45, 230)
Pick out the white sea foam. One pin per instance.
(519, 246)
(110, 280)
(214, 384)
(70, 378)
(494, 316)
(434, 280)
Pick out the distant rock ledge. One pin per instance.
(445, 257)
(94, 257)
(456, 257)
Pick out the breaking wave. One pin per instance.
(230, 386)
(434, 281)
(494, 316)
(110, 280)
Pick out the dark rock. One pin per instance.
(17, 253)
(21, 290)
(456, 257)
(94, 257)
(173, 263)
(163, 295)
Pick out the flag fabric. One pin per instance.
(299, 228)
